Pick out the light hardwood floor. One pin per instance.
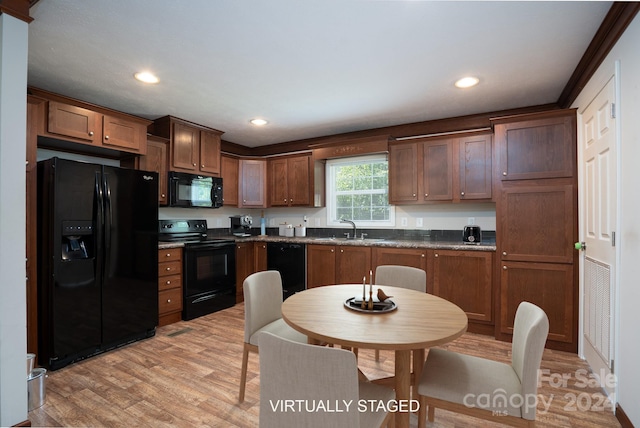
(188, 374)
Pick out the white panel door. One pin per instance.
(599, 202)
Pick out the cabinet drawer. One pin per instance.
(171, 281)
(169, 268)
(170, 300)
(169, 255)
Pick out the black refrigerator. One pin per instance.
(97, 259)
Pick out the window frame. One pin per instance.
(331, 195)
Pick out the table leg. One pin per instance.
(403, 385)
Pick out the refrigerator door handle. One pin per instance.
(108, 215)
(99, 213)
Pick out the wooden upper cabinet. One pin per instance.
(210, 152)
(438, 170)
(290, 181)
(537, 146)
(403, 173)
(537, 222)
(252, 187)
(193, 148)
(157, 160)
(75, 122)
(123, 133)
(475, 172)
(229, 171)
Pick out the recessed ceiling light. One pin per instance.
(467, 82)
(259, 122)
(146, 77)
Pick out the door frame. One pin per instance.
(595, 86)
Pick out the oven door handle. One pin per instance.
(209, 297)
(211, 245)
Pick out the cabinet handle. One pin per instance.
(504, 172)
(426, 194)
(342, 251)
(168, 282)
(168, 300)
(168, 254)
(414, 195)
(202, 166)
(244, 201)
(332, 250)
(264, 246)
(168, 269)
(436, 255)
(461, 193)
(422, 255)
(90, 133)
(106, 137)
(285, 200)
(504, 253)
(194, 164)
(163, 195)
(504, 267)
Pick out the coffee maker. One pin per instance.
(241, 225)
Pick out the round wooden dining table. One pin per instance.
(419, 321)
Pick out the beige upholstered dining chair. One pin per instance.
(491, 390)
(262, 312)
(310, 386)
(401, 276)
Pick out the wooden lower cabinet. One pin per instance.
(169, 286)
(463, 278)
(337, 264)
(415, 257)
(251, 257)
(547, 285)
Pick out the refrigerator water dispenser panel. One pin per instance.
(77, 240)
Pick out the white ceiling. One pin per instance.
(312, 67)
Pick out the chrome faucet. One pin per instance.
(352, 224)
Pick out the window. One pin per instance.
(358, 190)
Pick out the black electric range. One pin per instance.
(209, 267)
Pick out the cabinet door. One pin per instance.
(538, 223)
(321, 265)
(537, 148)
(438, 170)
(229, 172)
(352, 264)
(463, 278)
(260, 253)
(252, 183)
(244, 266)
(184, 153)
(210, 153)
(73, 121)
(475, 167)
(156, 160)
(403, 173)
(124, 135)
(278, 183)
(548, 285)
(400, 256)
(298, 177)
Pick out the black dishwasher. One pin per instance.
(289, 260)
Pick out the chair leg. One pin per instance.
(377, 355)
(243, 375)
(422, 412)
(431, 413)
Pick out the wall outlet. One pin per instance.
(471, 220)
(403, 221)
(419, 222)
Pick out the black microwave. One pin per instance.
(194, 191)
